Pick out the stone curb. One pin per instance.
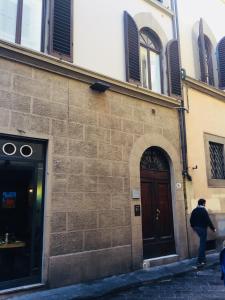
(115, 284)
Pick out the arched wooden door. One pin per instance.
(156, 201)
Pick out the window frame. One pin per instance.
(213, 183)
(19, 17)
(158, 45)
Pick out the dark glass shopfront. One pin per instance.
(22, 169)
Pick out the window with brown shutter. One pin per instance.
(205, 56)
(151, 62)
(131, 35)
(173, 68)
(221, 62)
(60, 35)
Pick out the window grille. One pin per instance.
(217, 160)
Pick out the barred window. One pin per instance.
(217, 160)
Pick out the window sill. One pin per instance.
(161, 7)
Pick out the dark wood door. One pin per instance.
(157, 216)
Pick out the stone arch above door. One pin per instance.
(144, 142)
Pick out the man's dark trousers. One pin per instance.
(202, 233)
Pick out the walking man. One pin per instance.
(200, 220)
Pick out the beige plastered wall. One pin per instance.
(95, 142)
(205, 116)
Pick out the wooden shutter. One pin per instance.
(132, 49)
(61, 29)
(202, 53)
(221, 62)
(173, 68)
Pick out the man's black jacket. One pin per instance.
(200, 218)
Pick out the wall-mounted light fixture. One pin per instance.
(99, 86)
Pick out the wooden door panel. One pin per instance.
(165, 216)
(157, 228)
(148, 222)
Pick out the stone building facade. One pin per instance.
(95, 142)
(91, 165)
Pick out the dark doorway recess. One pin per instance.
(22, 168)
(157, 215)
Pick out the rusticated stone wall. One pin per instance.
(88, 205)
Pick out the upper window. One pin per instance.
(23, 22)
(206, 63)
(221, 62)
(150, 55)
(205, 56)
(215, 160)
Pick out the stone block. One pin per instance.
(49, 109)
(110, 152)
(132, 127)
(90, 183)
(110, 184)
(120, 169)
(59, 128)
(27, 122)
(15, 101)
(76, 131)
(121, 138)
(15, 68)
(98, 167)
(62, 164)
(82, 149)
(4, 117)
(82, 116)
(98, 102)
(60, 90)
(121, 110)
(110, 122)
(120, 200)
(75, 183)
(149, 129)
(82, 220)
(57, 244)
(59, 186)
(74, 242)
(97, 239)
(58, 222)
(109, 218)
(5, 80)
(78, 93)
(74, 202)
(59, 202)
(121, 236)
(97, 201)
(126, 185)
(60, 146)
(93, 133)
(31, 87)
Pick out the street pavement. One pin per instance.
(179, 280)
(194, 285)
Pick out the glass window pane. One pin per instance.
(144, 67)
(155, 72)
(31, 24)
(8, 13)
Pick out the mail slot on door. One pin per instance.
(137, 210)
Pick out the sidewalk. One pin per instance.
(99, 288)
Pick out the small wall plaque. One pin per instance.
(136, 194)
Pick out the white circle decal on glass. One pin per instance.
(26, 151)
(9, 148)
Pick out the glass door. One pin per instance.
(21, 219)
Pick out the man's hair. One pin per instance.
(201, 202)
